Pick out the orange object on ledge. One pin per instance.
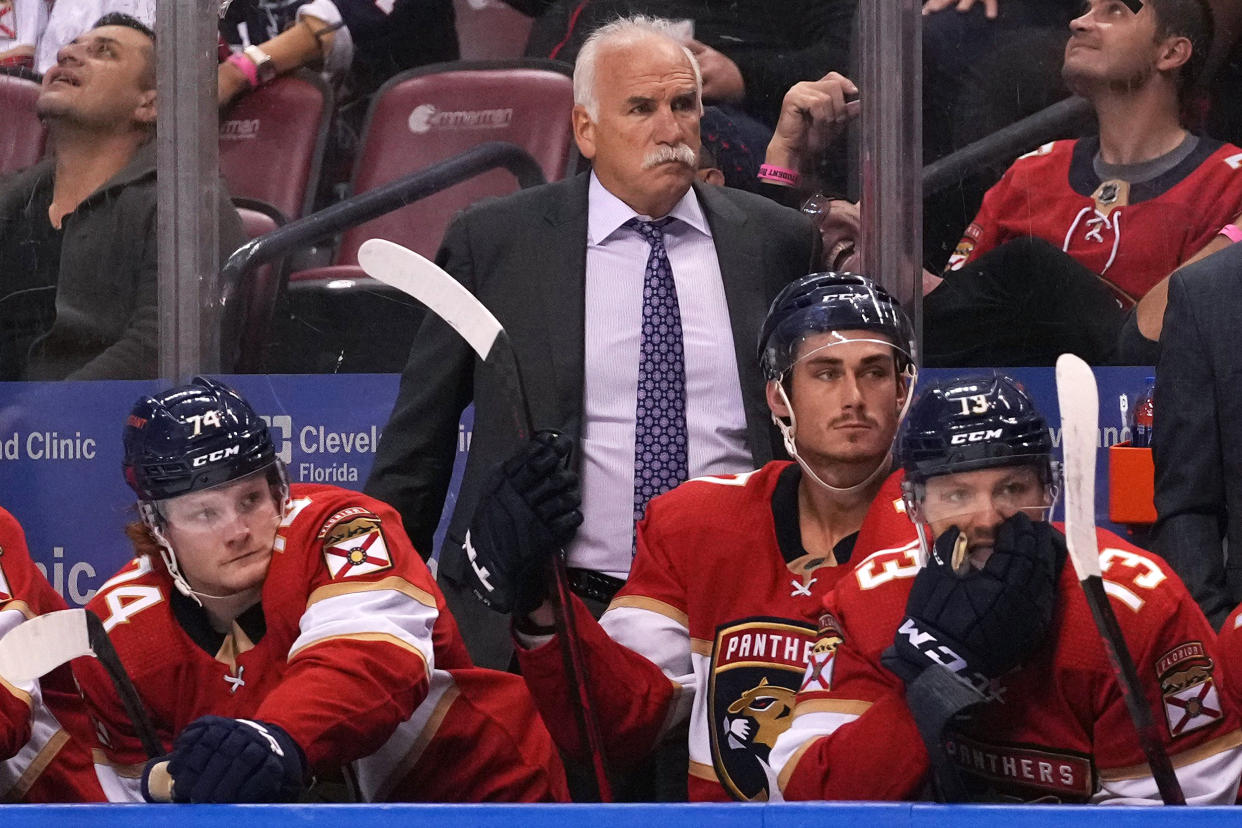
(1131, 485)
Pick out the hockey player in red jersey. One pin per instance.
(277, 633)
(1079, 231)
(44, 732)
(980, 657)
(717, 620)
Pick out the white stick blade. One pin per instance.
(40, 645)
(1080, 416)
(430, 284)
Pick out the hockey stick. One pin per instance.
(1080, 404)
(431, 285)
(45, 642)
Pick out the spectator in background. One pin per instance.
(1197, 444)
(359, 43)
(1077, 231)
(749, 52)
(562, 267)
(78, 264)
(69, 18)
(985, 66)
(21, 25)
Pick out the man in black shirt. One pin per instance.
(80, 226)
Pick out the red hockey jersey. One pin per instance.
(43, 725)
(1054, 728)
(1132, 235)
(1229, 643)
(350, 650)
(716, 622)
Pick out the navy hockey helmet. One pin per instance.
(973, 423)
(823, 302)
(191, 438)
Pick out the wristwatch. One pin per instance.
(265, 70)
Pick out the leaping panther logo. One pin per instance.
(757, 666)
(759, 716)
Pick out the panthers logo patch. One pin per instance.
(757, 667)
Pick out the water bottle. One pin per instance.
(1143, 416)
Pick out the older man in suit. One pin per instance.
(1198, 438)
(572, 270)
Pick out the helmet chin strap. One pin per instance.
(789, 433)
(150, 517)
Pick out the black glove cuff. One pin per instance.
(935, 697)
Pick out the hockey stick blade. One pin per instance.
(1079, 402)
(427, 282)
(1080, 414)
(45, 642)
(461, 310)
(38, 646)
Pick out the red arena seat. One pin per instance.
(22, 135)
(272, 140)
(432, 113)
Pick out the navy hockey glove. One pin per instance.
(235, 760)
(984, 623)
(528, 511)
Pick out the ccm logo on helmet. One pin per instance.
(231, 451)
(975, 436)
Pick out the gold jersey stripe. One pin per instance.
(20, 606)
(1187, 757)
(37, 765)
(392, 582)
(402, 768)
(850, 707)
(123, 771)
(17, 691)
(700, 771)
(385, 637)
(701, 646)
(782, 779)
(651, 605)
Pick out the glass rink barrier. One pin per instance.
(60, 452)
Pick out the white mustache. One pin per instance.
(681, 153)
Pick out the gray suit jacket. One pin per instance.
(524, 256)
(1198, 432)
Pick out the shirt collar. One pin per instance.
(606, 213)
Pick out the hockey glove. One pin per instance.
(982, 624)
(527, 513)
(235, 760)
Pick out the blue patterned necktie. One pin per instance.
(660, 454)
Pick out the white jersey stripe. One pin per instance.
(383, 612)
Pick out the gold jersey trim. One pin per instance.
(700, 771)
(402, 768)
(37, 765)
(18, 692)
(123, 771)
(701, 646)
(1187, 757)
(392, 582)
(782, 779)
(385, 637)
(850, 707)
(20, 606)
(651, 605)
